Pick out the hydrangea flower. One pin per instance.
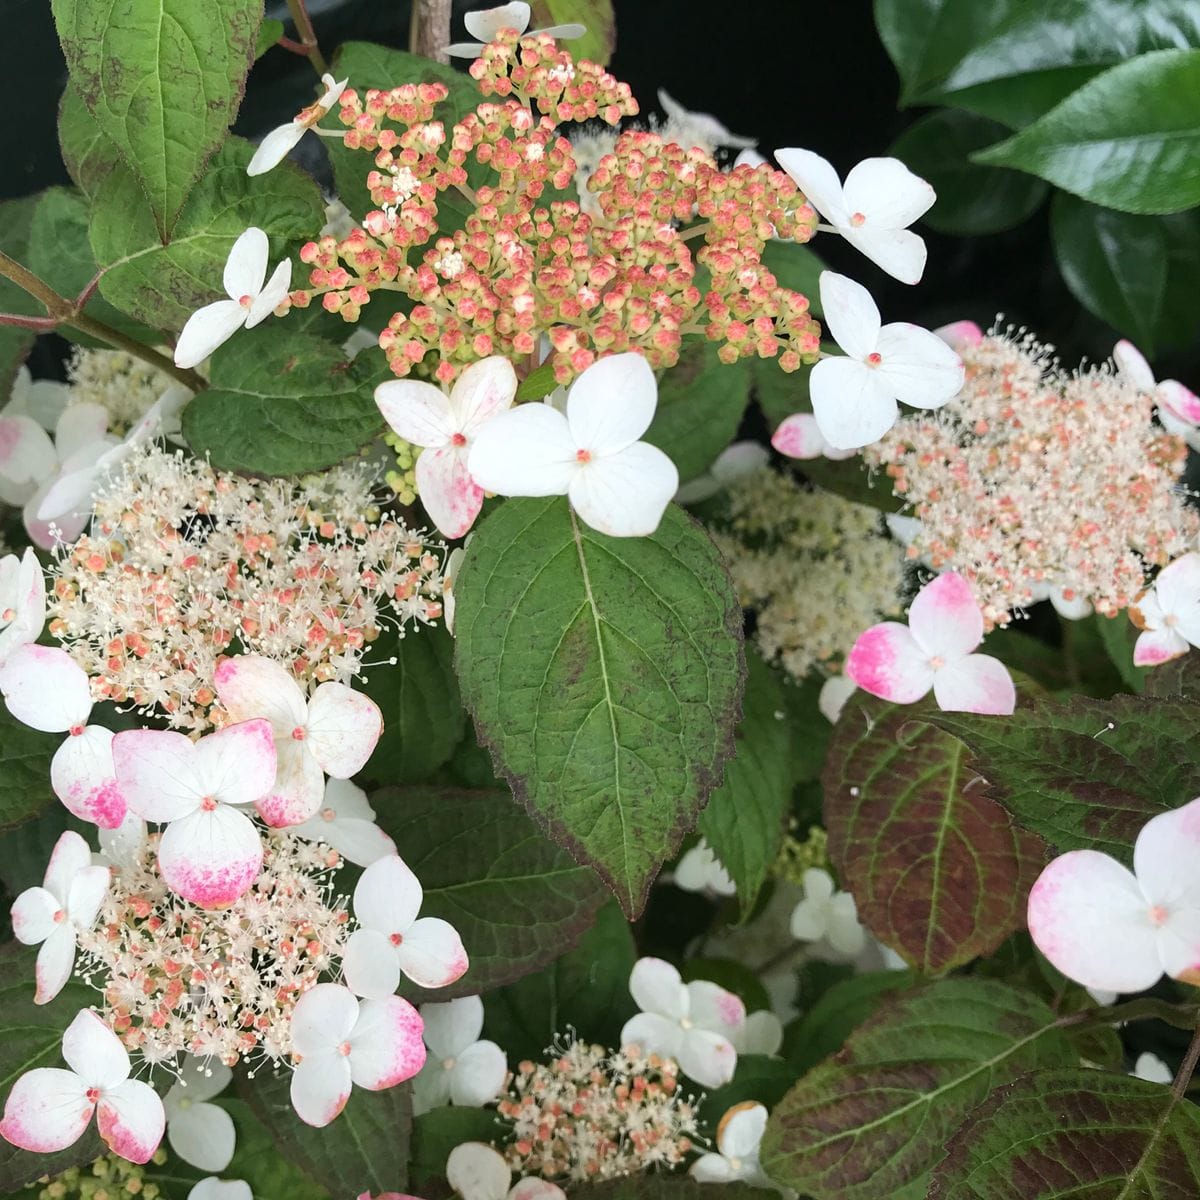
(739, 1135)
(486, 23)
(461, 1069)
(477, 1172)
(46, 689)
(341, 1042)
(855, 398)
(1178, 406)
(276, 146)
(66, 904)
(392, 939)
(935, 650)
(1152, 1069)
(209, 852)
(827, 913)
(447, 425)
(761, 1034)
(22, 601)
(1168, 614)
(693, 1023)
(699, 870)
(617, 484)
(1117, 930)
(333, 732)
(880, 199)
(346, 821)
(49, 1108)
(800, 436)
(251, 300)
(200, 1133)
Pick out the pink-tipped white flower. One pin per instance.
(209, 853)
(346, 821)
(461, 1069)
(342, 1042)
(276, 146)
(1178, 406)
(827, 914)
(855, 398)
(1168, 614)
(22, 601)
(1117, 930)
(800, 436)
(739, 1136)
(202, 1134)
(65, 905)
(48, 1108)
(447, 425)
(699, 870)
(693, 1023)
(333, 732)
(392, 938)
(616, 483)
(487, 23)
(934, 650)
(880, 199)
(250, 299)
(46, 689)
(960, 335)
(477, 1172)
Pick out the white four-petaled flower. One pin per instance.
(49, 1108)
(855, 398)
(800, 436)
(934, 650)
(250, 299)
(446, 425)
(1178, 406)
(346, 821)
(392, 938)
(1168, 614)
(200, 1133)
(739, 1135)
(827, 913)
(340, 1042)
(616, 483)
(22, 601)
(880, 199)
(461, 1068)
(1110, 928)
(66, 904)
(276, 146)
(487, 23)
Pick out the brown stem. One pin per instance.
(308, 37)
(70, 312)
(1184, 1077)
(429, 30)
(37, 324)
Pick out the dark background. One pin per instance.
(809, 73)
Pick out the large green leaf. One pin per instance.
(1087, 774)
(661, 1186)
(1114, 263)
(874, 1120)
(1129, 139)
(28, 846)
(516, 899)
(971, 199)
(597, 15)
(1054, 1135)
(936, 867)
(605, 674)
(163, 285)
(437, 1132)
(282, 403)
(163, 80)
(744, 819)
(25, 756)
(88, 154)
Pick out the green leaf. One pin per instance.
(31, 1037)
(647, 1186)
(934, 863)
(1117, 636)
(1114, 263)
(28, 846)
(873, 1121)
(1087, 774)
(163, 285)
(437, 1132)
(88, 154)
(586, 989)
(744, 820)
(700, 406)
(365, 1149)
(282, 403)
(540, 382)
(516, 899)
(1129, 139)
(269, 32)
(971, 200)
(1074, 1133)
(597, 44)
(423, 718)
(756, 1079)
(25, 756)
(163, 80)
(605, 675)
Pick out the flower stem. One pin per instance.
(70, 312)
(429, 29)
(308, 37)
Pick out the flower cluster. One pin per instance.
(185, 564)
(816, 569)
(1032, 478)
(590, 1114)
(124, 386)
(108, 1178)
